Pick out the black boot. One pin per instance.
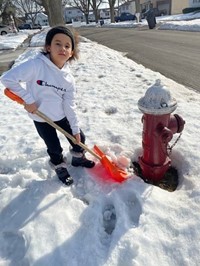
(62, 173)
(82, 161)
(64, 176)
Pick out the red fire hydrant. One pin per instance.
(159, 125)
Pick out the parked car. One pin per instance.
(5, 29)
(28, 26)
(37, 26)
(125, 16)
(25, 26)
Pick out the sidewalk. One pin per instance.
(8, 57)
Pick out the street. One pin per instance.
(175, 54)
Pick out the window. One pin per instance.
(196, 1)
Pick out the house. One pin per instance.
(73, 14)
(127, 7)
(40, 18)
(170, 7)
(104, 11)
(194, 3)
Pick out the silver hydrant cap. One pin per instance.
(157, 100)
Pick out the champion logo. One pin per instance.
(41, 82)
(45, 83)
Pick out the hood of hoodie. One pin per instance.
(46, 58)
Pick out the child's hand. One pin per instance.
(78, 138)
(31, 108)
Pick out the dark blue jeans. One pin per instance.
(50, 137)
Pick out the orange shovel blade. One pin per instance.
(114, 171)
(13, 96)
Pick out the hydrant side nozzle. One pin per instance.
(166, 135)
(176, 123)
(180, 123)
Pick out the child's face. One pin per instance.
(60, 49)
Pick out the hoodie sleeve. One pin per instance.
(13, 78)
(70, 109)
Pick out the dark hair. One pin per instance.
(64, 30)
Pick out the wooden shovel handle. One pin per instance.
(16, 98)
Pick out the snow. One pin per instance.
(98, 221)
(13, 40)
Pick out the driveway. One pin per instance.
(175, 54)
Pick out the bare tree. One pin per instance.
(137, 6)
(28, 8)
(2, 6)
(54, 10)
(95, 5)
(112, 10)
(83, 5)
(138, 10)
(7, 11)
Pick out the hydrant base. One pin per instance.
(169, 181)
(153, 172)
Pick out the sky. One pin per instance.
(97, 221)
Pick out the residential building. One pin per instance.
(194, 3)
(40, 18)
(127, 7)
(178, 5)
(170, 7)
(73, 14)
(104, 13)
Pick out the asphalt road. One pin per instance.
(175, 54)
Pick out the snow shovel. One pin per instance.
(113, 170)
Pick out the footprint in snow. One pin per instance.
(133, 208)
(111, 110)
(109, 218)
(13, 247)
(5, 170)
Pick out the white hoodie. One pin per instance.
(52, 89)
